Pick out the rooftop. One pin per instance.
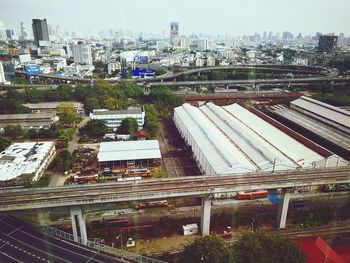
(323, 130)
(233, 139)
(23, 158)
(133, 110)
(324, 110)
(51, 105)
(42, 115)
(128, 150)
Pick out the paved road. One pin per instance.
(20, 242)
(74, 142)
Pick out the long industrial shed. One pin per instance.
(232, 139)
(331, 115)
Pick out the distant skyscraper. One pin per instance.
(317, 35)
(82, 53)
(41, 32)
(327, 44)
(2, 74)
(174, 31)
(265, 35)
(24, 33)
(185, 42)
(2, 32)
(9, 34)
(270, 35)
(341, 38)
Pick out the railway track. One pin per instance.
(302, 232)
(188, 185)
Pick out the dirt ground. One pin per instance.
(177, 158)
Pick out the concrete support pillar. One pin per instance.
(205, 216)
(283, 209)
(78, 225)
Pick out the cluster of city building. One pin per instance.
(62, 54)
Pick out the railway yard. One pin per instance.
(245, 153)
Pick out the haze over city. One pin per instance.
(196, 16)
(183, 131)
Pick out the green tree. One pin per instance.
(64, 92)
(91, 103)
(94, 128)
(130, 89)
(63, 161)
(108, 102)
(164, 99)
(128, 126)
(4, 143)
(21, 80)
(264, 248)
(34, 95)
(67, 113)
(13, 131)
(151, 121)
(208, 249)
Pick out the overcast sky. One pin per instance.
(236, 17)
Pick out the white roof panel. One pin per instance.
(23, 158)
(327, 111)
(128, 150)
(288, 146)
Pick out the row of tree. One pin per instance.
(250, 248)
(101, 95)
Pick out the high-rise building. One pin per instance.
(41, 32)
(270, 35)
(327, 44)
(317, 36)
(265, 35)
(174, 31)
(287, 35)
(341, 38)
(185, 42)
(9, 34)
(2, 32)
(24, 34)
(82, 53)
(2, 73)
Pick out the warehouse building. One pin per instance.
(331, 115)
(24, 162)
(36, 121)
(115, 118)
(232, 139)
(337, 139)
(129, 153)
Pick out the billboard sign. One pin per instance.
(33, 69)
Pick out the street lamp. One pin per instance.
(121, 240)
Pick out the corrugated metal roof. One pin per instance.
(216, 148)
(128, 150)
(290, 147)
(327, 132)
(233, 139)
(326, 111)
(255, 147)
(29, 116)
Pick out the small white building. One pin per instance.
(27, 160)
(129, 153)
(115, 118)
(190, 229)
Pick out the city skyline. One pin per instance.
(193, 17)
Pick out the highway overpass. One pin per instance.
(247, 81)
